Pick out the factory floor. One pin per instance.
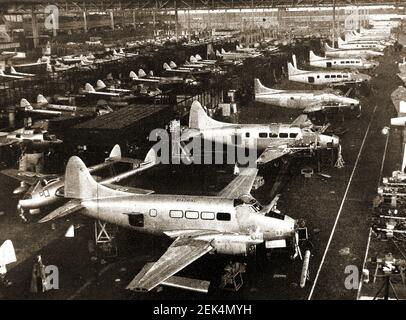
(337, 211)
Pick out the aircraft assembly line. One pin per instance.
(240, 163)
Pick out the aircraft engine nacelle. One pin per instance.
(240, 248)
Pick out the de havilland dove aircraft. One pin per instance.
(351, 53)
(308, 100)
(41, 190)
(232, 222)
(355, 45)
(36, 137)
(10, 76)
(237, 55)
(44, 107)
(273, 140)
(143, 77)
(332, 78)
(340, 63)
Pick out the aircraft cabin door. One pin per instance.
(328, 64)
(310, 79)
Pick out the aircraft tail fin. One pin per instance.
(166, 66)
(172, 64)
(340, 41)
(115, 153)
(291, 69)
(100, 84)
(294, 61)
(89, 88)
(79, 184)
(151, 157)
(141, 73)
(41, 99)
(313, 57)
(223, 51)
(151, 73)
(193, 59)
(260, 88)
(25, 104)
(327, 47)
(198, 57)
(218, 54)
(12, 70)
(198, 118)
(133, 75)
(7, 253)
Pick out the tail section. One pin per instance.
(223, 51)
(151, 73)
(100, 85)
(12, 70)
(260, 88)
(41, 100)
(340, 42)
(25, 104)
(172, 64)
(198, 119)
(292, 70)
(133, 75)
(7, 253)
(313, 57)
(218, 54)
(89, 88)
(151, 157)
(193, 59)
(294, 61)
(141, 73)
(166, 67)
(327, 47)
(198, 57)
(79, 184)
(115, 153)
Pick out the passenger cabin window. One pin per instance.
(136, 219)
(292, 98)
(192, 215)
(292, 135)
(333, 76)
(327, 76)
(153, 212)
(205, 215)
(339, 76)
(176, 214)
(263, 135)
(223, 216)
(273, 135)
(247, 134)
(283, 135)
(345, 76)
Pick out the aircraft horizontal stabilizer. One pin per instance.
(68, 208)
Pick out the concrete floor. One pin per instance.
(337, 212)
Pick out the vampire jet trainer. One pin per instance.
(42, 190)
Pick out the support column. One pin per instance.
(35, 29)
(84, 21)
(176, 21)
(112, 19)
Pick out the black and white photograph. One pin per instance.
(215, 151)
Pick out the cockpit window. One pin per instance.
(276, 215)
(257, 206)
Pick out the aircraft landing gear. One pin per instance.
(105, 239)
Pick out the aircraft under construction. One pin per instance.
(340, 63)
(41, 190)
(231, 223)
(332, 78)
(273, 140)
(307, 100)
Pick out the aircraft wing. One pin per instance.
(129, 189)
(26, 176)
(273, 152)
(68, 208)
(241, 185)
(302, 121)
(4, 141)
(182, 252)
